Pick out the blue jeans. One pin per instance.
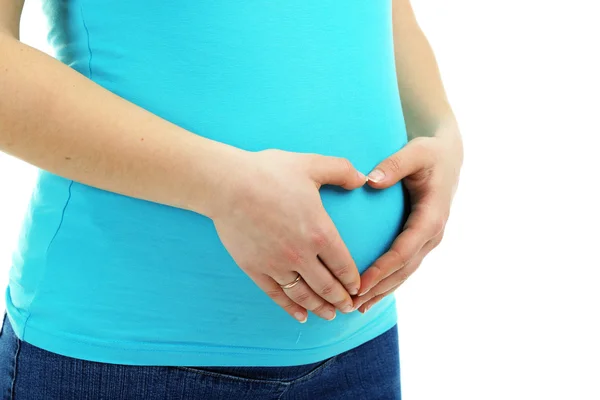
(370, 371)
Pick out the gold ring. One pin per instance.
(292, 284)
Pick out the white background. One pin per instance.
(508, 306)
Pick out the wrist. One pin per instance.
(449, 133)
(213, 177)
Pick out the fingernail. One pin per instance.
(329, 314)
(300, 317)
(367, 309)
(348, 308)
(361, 176)
(376, 175)
(353, 291)
(363, 293)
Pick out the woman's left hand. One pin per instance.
(429, 168)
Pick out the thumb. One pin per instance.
(338, 171)
(410, 159)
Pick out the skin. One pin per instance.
(130, 151)
(429, 164)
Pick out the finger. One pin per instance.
(303, 295)
(394, 281)
(334, 254)
(363, 309)
(325, 170)
(390, 283)
(413, 157)
(276, 293)
(421, 226)
(324, 284)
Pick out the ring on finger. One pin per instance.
(293, 283)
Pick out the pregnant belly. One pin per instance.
(333, 94)
(314, 111)
(140, 261)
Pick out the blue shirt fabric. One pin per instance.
(110, 278)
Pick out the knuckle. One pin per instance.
(397, 257)
(327, 289)
(343, 271)
(378, 267)
(292, 255)
(438, 224)
(319, 239)
(301, 297)
(394, 164)
(275, 294)
(346, 165)
(345, 169)
(319, 308)
(322, 238)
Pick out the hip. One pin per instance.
(370, 370)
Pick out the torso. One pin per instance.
(110, 278)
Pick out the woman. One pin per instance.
(200, 216)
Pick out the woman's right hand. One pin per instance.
(271, 219)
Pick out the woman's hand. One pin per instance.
(429, 167)
(271, 220)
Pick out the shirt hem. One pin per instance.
(197, 355)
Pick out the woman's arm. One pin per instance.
(425, 106)
(429, 165)
(55, 118)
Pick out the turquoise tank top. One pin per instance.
(109, 278)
